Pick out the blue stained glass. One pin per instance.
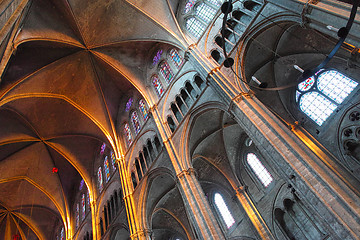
(335, 85)
(102, 150)
(83, 207)
(176, 58)
(135, 122)
(127, 132)
(100, 179)
(157, 85)
(166, 71)
(316, 106)
(189, 5)
(81, 184)
(62, 235)
(107, 169)
(143, 109)
(113, 159)
(77, 215)
(128, 104)
(88, 199)
(157, 57)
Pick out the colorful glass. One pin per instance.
(143, 109)
(107, 169)
(166, 71)
(135, 121)
(88, 199)
(113, 159)
(127, 133)
(307, 84)
(157, 57)
(176, 58)
(128, 104)
(62, 235)
(224, 210)
(297, 96)
(103, 147)
(100, 179)
(81, 184)
(77, 215)
(189, 5)
(83, 207)
(157, 85)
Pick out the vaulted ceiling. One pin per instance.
(73, 64)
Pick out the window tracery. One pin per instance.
(176, 58)
(320, 95)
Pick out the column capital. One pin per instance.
(189, 171)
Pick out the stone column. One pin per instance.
(253, 213)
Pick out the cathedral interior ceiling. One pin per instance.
(73, 62)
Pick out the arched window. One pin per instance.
(113, 160)
(77, 215)
(166, 71)
(102, 149)
(83, 206)
(107, 169)
(135, 121)
(205, 12)
(62, 235)
(88, 199)
(157, 85)
(128, 104)
(224, 210)
(175, 57)
(81, 184)
(189, 5)
(320, 95)
(100, 179)
(259, 169)
(127, 133)
(143, 109)
(195, 27)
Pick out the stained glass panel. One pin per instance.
(107, 169)
(128, 104)
(143, 109)
(205, 12)
(127, 133)
(335, 85)
(176, 58)
(195, 27)
(189, 5)
(135, 121)
(88, 199)
(103, 147)
(77, 215)
(166, 71)
(113, 159)
(317, 107)
(157, 85)
(157, 57)
(62, 235)
(81, 184)
(259, 169)
(100, 179)
(224, 210)
(83, 207)
(306, 84)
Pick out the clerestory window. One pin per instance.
(320, 95)
(258, 168)
(224, 210)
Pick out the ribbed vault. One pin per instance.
(73, 63)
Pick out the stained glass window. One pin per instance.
(128, 104)
(100, 179)
(62, 235)
(83, 207)
(127, 133)
(143, 109)
(81, 184)
(102, 150)
(157, 85)
(335, 85)
(297, 96)
(316, 106)
(195, 27)
(157, 57)
(166, 71)
(135, 121)
(215, 2)
(223, 209)
(107, 169)
(176, 58)
(189, 5)
(88, 199)
(113, 159)
(77, 215)
(259, 169)
(205, 12)
(307, 84)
